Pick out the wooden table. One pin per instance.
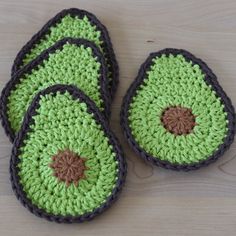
(154, 201)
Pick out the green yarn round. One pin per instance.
(72, 65)
(173, 81)
(64, 123)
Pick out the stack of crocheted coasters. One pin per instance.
(66, 164)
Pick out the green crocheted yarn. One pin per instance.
(72, 27)
(72, 64)
(69, 26)
(173, 81)
(64, 123)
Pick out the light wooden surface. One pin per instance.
(154, 201)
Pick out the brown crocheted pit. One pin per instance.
(178, 120)
(68, 167)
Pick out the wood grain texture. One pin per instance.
(154, 201)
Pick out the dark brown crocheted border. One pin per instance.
(22, 134)
(105, 38)
(103, 80)
(210, 79)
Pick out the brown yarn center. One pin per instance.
(68, 167)
(178, 120)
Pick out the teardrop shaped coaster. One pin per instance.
(175, 114)
(74, 23)
(66, 164)
(70, 61)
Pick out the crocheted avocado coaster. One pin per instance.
(70, 61)
(66, 164)
(175, 114)
(73, 23)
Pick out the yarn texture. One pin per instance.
(175, 115)
(72, 27)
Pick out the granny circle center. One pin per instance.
(68, 167)
(178, 120)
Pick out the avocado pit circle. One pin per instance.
(178, 120)
(68, 167)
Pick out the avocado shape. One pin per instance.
(70, 61)
(66, 164)
(73, 23)
(175, 114)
